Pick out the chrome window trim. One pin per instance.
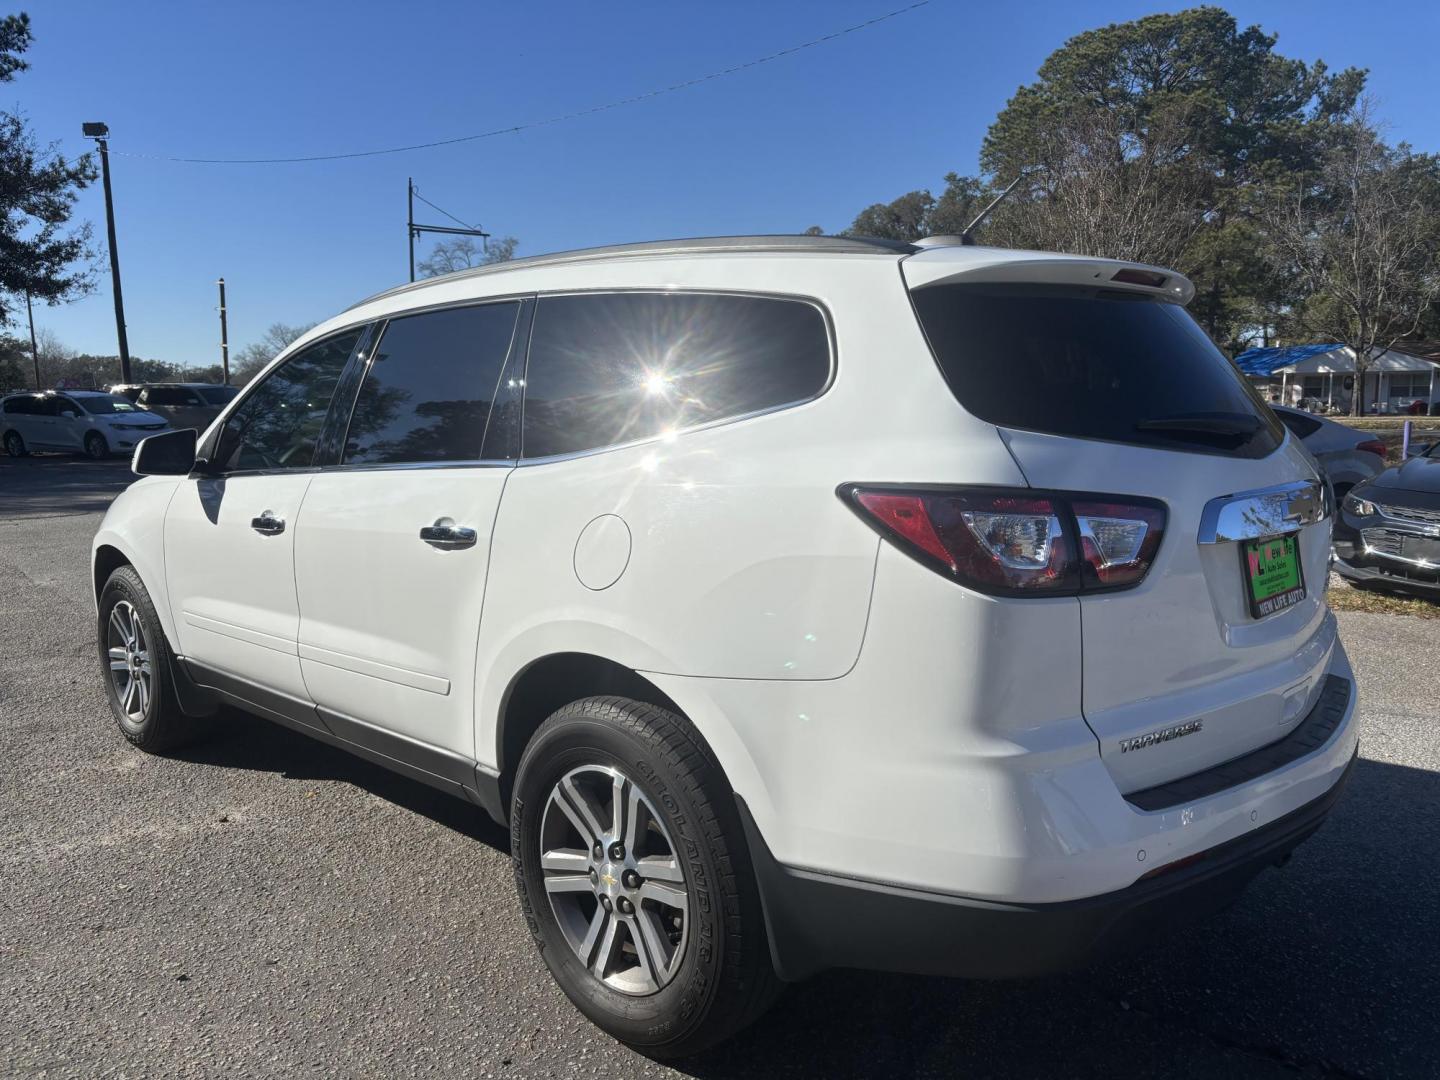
(831, 345)
(1264, 512)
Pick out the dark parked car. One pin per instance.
(185, 405)
(1388, 532)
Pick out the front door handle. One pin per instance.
(267, 524)
(446, 534)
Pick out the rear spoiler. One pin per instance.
(956, 264)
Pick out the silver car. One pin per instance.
(1346, 454)
(186, 405)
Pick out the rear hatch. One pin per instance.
(1103, 384)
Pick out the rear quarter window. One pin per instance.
(1092, 364)
(612, 368)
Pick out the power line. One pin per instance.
(516, 128)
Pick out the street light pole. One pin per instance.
(224, 338)
(410, 220)
(34, 348)
(100, 133)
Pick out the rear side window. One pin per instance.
(24, 406)
(1092, 364)
(1300, 425)
(218, 395)
(277, 424)
(428, 392)
(169, 395)
(610, 368)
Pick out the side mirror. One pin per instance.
(170, 453)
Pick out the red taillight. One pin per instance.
(1132, 276)
(1373, 446)
(1118, 540)
(1018, 543)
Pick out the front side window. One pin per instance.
(278, 423)
(611, 368)
(429, 389)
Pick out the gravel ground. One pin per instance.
(266, 906)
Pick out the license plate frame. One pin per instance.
(1289, 593)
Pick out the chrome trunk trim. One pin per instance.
(1254, 515)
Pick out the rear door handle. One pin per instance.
(267, 524)
(446, 534)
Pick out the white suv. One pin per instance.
(797, 602)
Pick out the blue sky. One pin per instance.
(807, 139)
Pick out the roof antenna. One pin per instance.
(966, 239)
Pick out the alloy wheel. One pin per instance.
(614, 880)
(130, 670)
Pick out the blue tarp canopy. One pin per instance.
(1265, 362)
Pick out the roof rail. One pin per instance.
(838, 245)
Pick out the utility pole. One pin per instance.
(34, 348)
(224, 338)
(101, 133)
(415, 230)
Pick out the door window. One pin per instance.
(173, 396)
(611, 368)
(278, 423)
(23, 406)
(431, 384)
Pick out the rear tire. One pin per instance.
(697, 914)
(15, 444)
(96, 448)
(135, 659)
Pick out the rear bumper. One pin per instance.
(819, 921)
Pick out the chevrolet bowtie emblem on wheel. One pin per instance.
(608, 879)
(1150, 738)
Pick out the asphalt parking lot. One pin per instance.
(265, 906)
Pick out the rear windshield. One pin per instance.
(1093, 364)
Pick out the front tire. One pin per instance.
(96, 448)
(135, 658)
(635, 880)
(15, 444)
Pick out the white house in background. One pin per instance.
(1394, 380)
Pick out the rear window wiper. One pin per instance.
(1205, 423)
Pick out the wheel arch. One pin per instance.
(550, 682)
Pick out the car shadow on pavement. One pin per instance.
(1325, 967)
(242, 741)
